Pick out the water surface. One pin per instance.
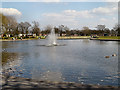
(81, 61)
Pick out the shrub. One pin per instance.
(32, 37)
(18, 37)
(5, 37)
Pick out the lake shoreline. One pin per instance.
(17, 40)
(59, 38)
(104, 39)
(69, 38)
(20, 83)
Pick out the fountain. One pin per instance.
(52, 38)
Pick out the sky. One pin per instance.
(60, 0)
(75, 14)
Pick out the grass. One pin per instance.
(29, 38)
(67, 37)
(109, 37)
(74, 37)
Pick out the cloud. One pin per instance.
(83, 14)
(10, 12)
(77, 19)
(104, 10)
(59, 19)
(103, 19)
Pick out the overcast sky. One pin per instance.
(72, 14)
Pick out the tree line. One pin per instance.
(9, 25)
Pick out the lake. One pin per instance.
(80, 61)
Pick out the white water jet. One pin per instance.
(52, 38)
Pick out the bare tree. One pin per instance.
(8, 24)
(48, 27)
(35, 28)
(26, 26)
(100, 27)
(86, 31)
(23, 27)
(61, 28)
(117, 29)
(67, 30)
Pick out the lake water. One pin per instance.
(81, 61)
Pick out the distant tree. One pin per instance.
(86, 28)
(86, 31)
(12, 23)
(3, 23)
(8, 24)
(113, 32)
(21, 28)
(16, 31)
(67, 31)
(117, 29)
(56, 30)
(35, 28)
(48, 27)
(100, 27)
(61, 28)
(107, 31)
(26, 27)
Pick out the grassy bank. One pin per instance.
(68, 37)
(19, 39)
(74, 37)
(109, 37)
(63, 37)
(88, 37)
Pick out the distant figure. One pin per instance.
(107, 56)
(114, 55)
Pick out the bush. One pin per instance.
(23, 37)
(32, 37)
(26, 37)
(5, 37)
(18, 37)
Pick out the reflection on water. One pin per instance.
(48, 75)
(80, 61)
